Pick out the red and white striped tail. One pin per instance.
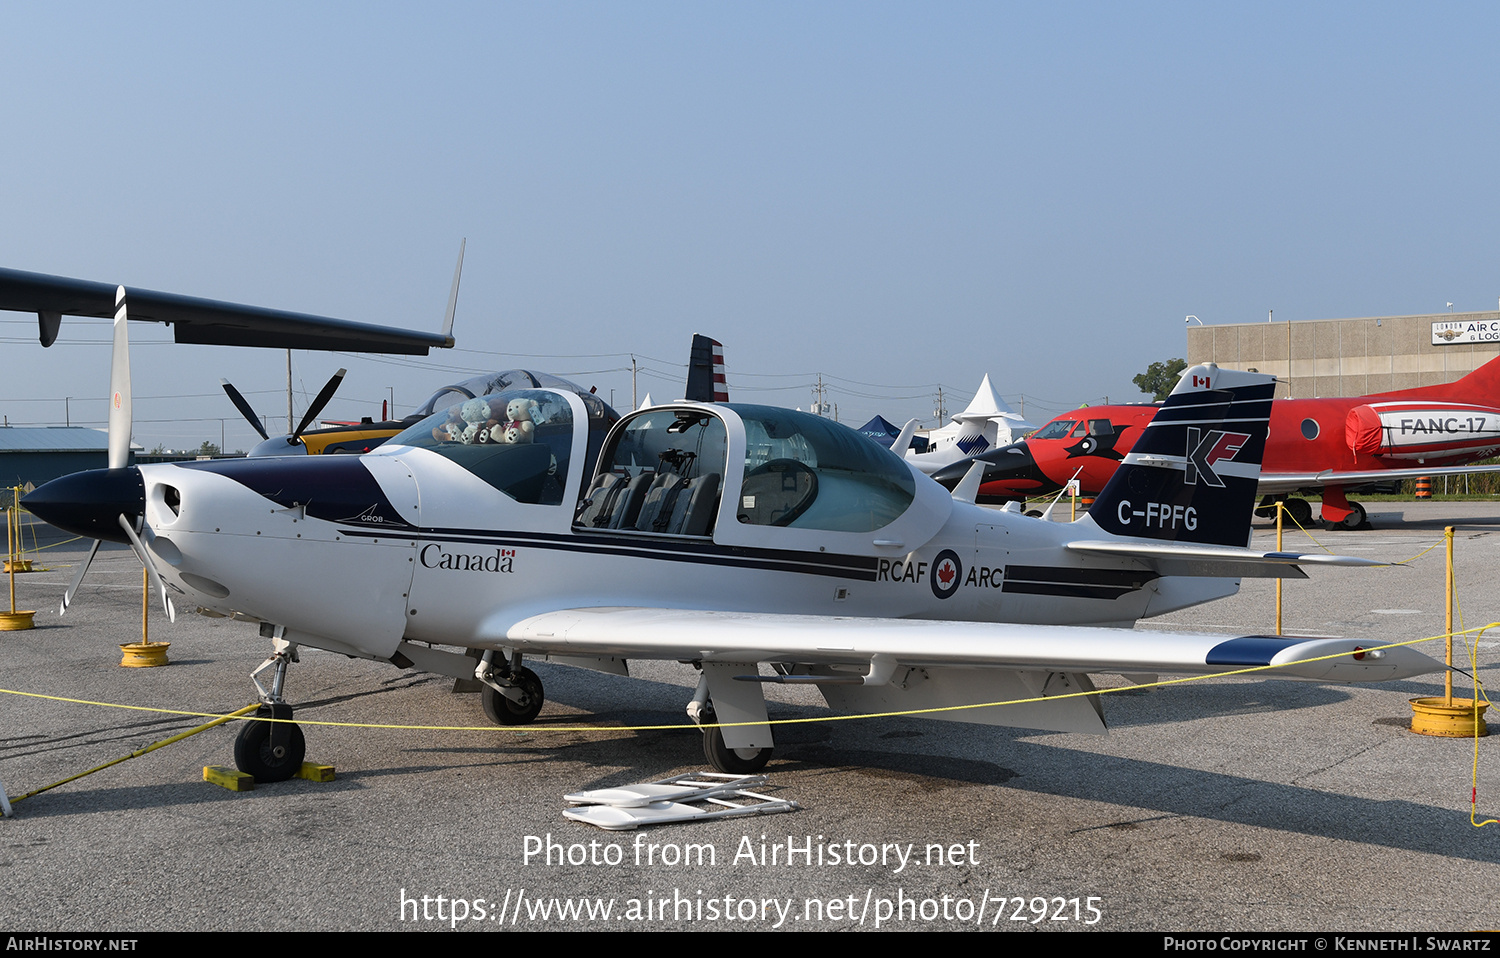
(705, 380)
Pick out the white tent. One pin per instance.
(986, 423)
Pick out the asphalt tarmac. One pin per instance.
(1223, 805)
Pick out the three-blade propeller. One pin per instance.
(120, 421)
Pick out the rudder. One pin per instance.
(1192, 475)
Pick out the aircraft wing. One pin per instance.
(877, 645)
(1189, 558)
(195, 320)
(1275, 483)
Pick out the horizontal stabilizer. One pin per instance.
(1186, 558)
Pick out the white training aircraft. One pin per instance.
(987, 422)
(536, 524)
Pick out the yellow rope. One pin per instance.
(1249, 670)
(1320, 545)
(139, 752)
(1473, 647)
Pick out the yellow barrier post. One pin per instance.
(1280, 511)
(1448, 717)
(14, 620)
(15, 560)
(144, 654)
(1448, 617)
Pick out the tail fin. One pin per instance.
(705, 380)
(1480, 386)
(1193, 473)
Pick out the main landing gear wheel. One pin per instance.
(1353, 520)
(270, 751)
(734, 761)
(1299, 512)
(503, 711)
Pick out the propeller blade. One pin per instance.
(77, 579)
(145, 557)
(244, 408)
(119, 389)
(319, 401)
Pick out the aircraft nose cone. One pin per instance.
(1005, 462)
(1012, 463)
(90, 503)
(953, 473)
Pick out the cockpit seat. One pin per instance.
(614, 501)
(776, 493)
(679, 506)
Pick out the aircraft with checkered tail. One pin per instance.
(757, 544)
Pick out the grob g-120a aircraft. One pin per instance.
(534, 523)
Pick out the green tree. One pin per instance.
(1160, 379)
(208, 449)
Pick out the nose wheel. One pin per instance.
(270, 751)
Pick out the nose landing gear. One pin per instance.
(272, 751)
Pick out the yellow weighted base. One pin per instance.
(238, 781)
(17, 621)
(315, 773)
(230, 778)
(1433, 716)
(17, 565)
(143, 655)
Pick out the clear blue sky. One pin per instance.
(893, 195)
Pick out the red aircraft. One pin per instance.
(1332, 446)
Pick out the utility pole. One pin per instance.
(290, 422)
(821, 406)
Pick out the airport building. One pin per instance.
(38, 454)
(1352, 357)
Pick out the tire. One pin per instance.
(257, 757)
(503, 711)
(1299, 512)
(1355, 518)
(733, 761)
